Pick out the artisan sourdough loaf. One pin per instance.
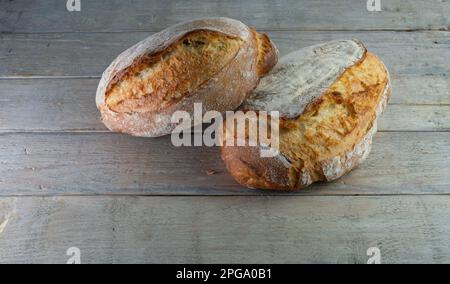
(216, 62)
(329, 97)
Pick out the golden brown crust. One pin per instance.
(332, 136)
(249, 169)
(166, 77)
(208, 61)
(267, 54)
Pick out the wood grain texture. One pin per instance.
(74, 164)
(411, 229)
(418, 104)
(88, 54)
(50, 62)
(28, 16)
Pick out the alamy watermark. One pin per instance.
(239, 128)
(374, 255)
(73, 5)
(74, 254)
(373, 5)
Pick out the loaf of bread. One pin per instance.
(329, 97)
(216, 62)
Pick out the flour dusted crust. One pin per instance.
(336, 167)
(144, 108)
(333, 130)
(303, 76)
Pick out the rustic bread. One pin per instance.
(217, 62)
(329, 97)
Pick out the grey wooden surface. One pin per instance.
(201, 229)
(86, 55)
(65, 181)
(107, 163)
(26, 16)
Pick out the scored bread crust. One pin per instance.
(322, 155)
(224, 90)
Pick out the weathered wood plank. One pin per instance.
(49, 105)
(406, 229)
(421, 90)
(87, 55)
(69, 105)
(28, 16)
(106, 163)
(415, 118)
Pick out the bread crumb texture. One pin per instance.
(157, 80)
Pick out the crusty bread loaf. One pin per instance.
(216, 62)
(329, 97)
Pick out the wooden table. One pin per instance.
(65, 181)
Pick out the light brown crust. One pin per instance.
(162, 79)
(147, 83)
(332, 136)
(267, 54)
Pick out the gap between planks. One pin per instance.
(260, 30)
(262, 193)
(94, 132)
(264, 14)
